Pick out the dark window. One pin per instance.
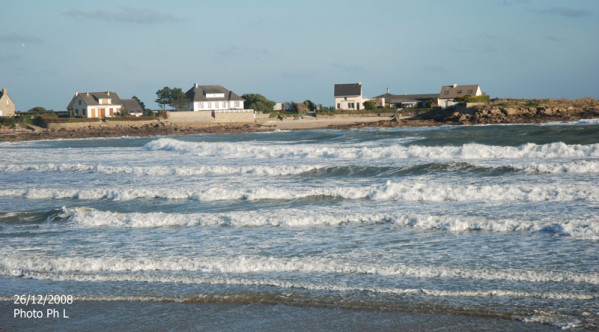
(470, 91)
(80, 102)
(446, 92)
(338, 106)
(459, 92)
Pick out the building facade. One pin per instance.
(7, 105)
(213, 98)
(95, 104)
(349, 96)
(449, 93)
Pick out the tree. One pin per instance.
(309, 105)
(178, 99)
(258, 103)
(175, 98)
(163, 96)
(370, 104)
(143, 106)
(37, 110)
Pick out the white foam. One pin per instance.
(161, 170)
(20, 265)
(390, 191)
(585, 229)
(466, 151)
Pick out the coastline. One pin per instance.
(472, 116)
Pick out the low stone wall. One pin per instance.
(234, 116)
(189, 116)
(100, 124)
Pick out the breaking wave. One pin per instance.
(466, 151)
(390, 191)
(584, 229)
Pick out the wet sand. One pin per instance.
(159, 316)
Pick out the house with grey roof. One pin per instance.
(449, 93)
(7, 106)
(105, 104)
(348, 96)
(407, 101)
(213, 98)
(132, 106)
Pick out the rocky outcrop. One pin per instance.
(493, 114)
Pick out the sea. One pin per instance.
(491, 227)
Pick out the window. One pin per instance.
(446, 92)
(459, 92)
(338, 105)
(79, 102)
(345, 98)
(470, 91)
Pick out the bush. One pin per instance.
(370, 105)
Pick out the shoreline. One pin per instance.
(172, 128)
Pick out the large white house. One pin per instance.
(450, 92)
(213, 98)
(100, 104)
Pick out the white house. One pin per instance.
(349, 96)
(7, 106)
(213, 98)
(100, 104)
(95, 104)
(450, 92)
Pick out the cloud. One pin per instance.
(125, 15)
(19, 38)
(565, 12)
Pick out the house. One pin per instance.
(449, 93)
(132, 106)
(95, 104)
(7, 106)
(213, 98)
(407, 101)
(349, 96)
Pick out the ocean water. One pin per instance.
(498, 222)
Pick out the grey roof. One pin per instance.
(198, 93)
(396, 99)
(452, 91)
(350, 89)
(93, 98)
(132, 105)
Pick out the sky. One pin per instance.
(297, 50)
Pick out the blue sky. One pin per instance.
(297, 50)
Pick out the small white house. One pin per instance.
(213, 98)
(450, 92)
(7, 106)
(349, 96)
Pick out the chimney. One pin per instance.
(388, 91)
(455, 85)
(3, 91)
(108, 93)
(76, 93)
(196, 85)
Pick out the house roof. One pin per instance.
(4, 93)
(132, 105)
(350, 89)
(93, 98)
(454, 91)
(198, 93)
(395, 99)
